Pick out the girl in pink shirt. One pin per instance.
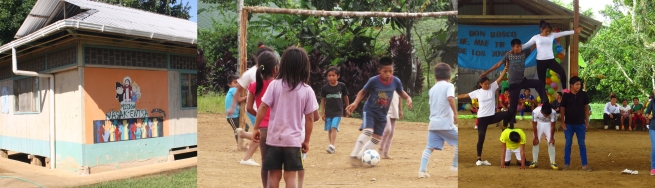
(290, 100)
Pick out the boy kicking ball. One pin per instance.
(513, 142)
(379, 89)
(543, 123)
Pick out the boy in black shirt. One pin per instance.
(575, 120)
(334, 95)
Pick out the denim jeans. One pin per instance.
(652, 148)
(580, 131)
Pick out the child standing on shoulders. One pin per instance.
(513, 142)
(334, 95)
(443, 117)
(395, 113)
(543, 123)
(233, 120)
(379, 90)
(289, 99)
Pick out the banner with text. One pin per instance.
(480, 47)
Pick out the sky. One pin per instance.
(595, 5)
(194, 9)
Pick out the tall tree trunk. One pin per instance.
(410, 87)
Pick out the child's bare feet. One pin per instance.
(386, 156)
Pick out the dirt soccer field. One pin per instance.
(608, 152)
(218, 161)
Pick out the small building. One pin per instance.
(498, 13)
(91, 87)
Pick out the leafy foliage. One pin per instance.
(355, 73)
(401, 53)
(12, 14)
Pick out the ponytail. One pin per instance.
(543, 25)
(266, 64)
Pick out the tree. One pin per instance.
(588, 12)
(173, 8)
(12, 14)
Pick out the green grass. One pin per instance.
(420, 111)
(212, 103)
(596, 108)
(183, 178)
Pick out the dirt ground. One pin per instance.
(608, 152)
(218, 161)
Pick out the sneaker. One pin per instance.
(249, 162)
(553, 166)
(606, 127)
(331, 149)
(453, 168)
(423, 175)
(617, 127)
(533, 165)
(239, 139)
(652, 172)
(482, 163)
(476, 127)
(521, 118)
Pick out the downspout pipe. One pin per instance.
(51, 98)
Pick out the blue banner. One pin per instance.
(481, 47)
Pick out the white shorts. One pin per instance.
(543, 129)
(508, 154)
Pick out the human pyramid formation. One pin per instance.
(283, 107)
(573, 108)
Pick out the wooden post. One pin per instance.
(574, 45)
(243, 57)
(484, 7)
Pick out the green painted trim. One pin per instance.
(83, 55)
(189, 108)
(168, 63)
(120, 48)
(26, 113)
(55, 51)
(180, 73)
(46, 62)
(184, 71)
(62, 67)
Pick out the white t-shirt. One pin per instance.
(486, 100)
(441, 115)
(393, 108)
(541, 119)
(545, 44)
(625, 109)
(246, 79)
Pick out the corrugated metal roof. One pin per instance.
(110, 15)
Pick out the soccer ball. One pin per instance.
(370, 158)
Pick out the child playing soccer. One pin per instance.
(379, 90)
(233, 120)
(487, 114)
(513, 142)
(517, 80)
(334, 95)
(289, 99)
(545, 55)
(543, 123)
(395, 113)
(443, 117)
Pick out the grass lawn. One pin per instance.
(182, 178)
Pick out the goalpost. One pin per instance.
(243, 28)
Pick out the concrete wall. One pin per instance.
(26, 132)
(183, 123)
(69, 114)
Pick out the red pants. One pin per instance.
(640, 117)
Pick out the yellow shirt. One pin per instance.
(504, 138)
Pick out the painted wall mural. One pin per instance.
(132, 110)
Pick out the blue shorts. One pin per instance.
(373, 122)
(332, 122)
(436, 139)
(252, 118)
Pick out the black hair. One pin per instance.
(559, 93)
(262, 50)
(267, 63)
(294, 67)
(514, 137)
(635, 98)
(333, 69)
(613, 97)
(575, 79)
(260, 44)
(385, 61)
(528, 90)
(625, 100)
(231, 78)
(515, 42)
(546, 109)
(118, 84)
(442, 71)
(543, 25)
(482, 80)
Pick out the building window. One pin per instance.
(26, 95)
(189, 87)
